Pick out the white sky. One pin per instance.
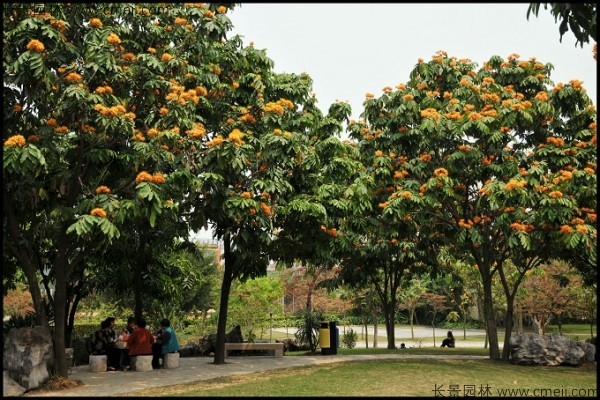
(350, 49)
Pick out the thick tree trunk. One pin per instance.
(60, 299)
(508, 322)
(225, 290)
(490, 318)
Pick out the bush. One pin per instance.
(349, 339)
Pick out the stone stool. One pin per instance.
(141, 363)
(171, 360)
(98, 363)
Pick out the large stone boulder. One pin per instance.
(208, 343)
(534, 349)
(26, 355)
(11, 388)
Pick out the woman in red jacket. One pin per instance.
(141, 340)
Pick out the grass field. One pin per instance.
(399, 378)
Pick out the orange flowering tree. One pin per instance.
(132, 115)
(501, 162)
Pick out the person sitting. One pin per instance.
(125, 359)
(449, 341)
(103, 343)
(141, 340)
(166, 342)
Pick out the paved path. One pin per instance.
(193, 369)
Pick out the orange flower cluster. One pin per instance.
(73, 77)
(430, 113)
(158, 178)
(35, 45)
(475, 116)
(401, 174)
(440, 172)
(246, 195)
(129, 57)
(408, 97)
(197, 132)
(581, 229)
(541, 96)
(61, 129)
(272, 107)
(181, 96)
(266, 209)
(522, 227)
(425, 157)
(98, 212)
(453, 115)
(512, 184)
(34, 138)
(236, 136)
(555, 194)
(95, 23)
(247, 118)
(221, 9)
(15, 141)
(465, 224)
(114, 111)
(492, 97)
(103, 90)
(166, 57)
(113, 39)
(209, 14)
(566, 229)
(215, 142)
(102, 190)
(558, 142)
(384, 204)
(406, 195)
(576, 84)
(143, 177)
(180, 21)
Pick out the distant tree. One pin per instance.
(550, 292)
(411, 297)
(579, 17)
(437, 302)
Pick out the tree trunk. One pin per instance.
(225, 290)
(508, 322)
(374, 331)
(60, 299)
(412, 316)
(490, 318)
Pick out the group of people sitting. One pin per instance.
(135, 340)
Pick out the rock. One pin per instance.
(208, 343)
(190, 350)
(26, 355)
(11, 388)
(534, 349)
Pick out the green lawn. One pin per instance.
(424, 377)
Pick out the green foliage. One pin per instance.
(349, 339)
(252, 302)
(579, 17)
(308, 329)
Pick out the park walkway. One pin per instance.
(193, 369)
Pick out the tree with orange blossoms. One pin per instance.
(119, 98)
(502, 161)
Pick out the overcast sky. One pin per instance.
(351, 49)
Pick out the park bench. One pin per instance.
(276, 348)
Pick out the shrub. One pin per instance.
(349, 339)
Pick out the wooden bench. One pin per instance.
(277, 348)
